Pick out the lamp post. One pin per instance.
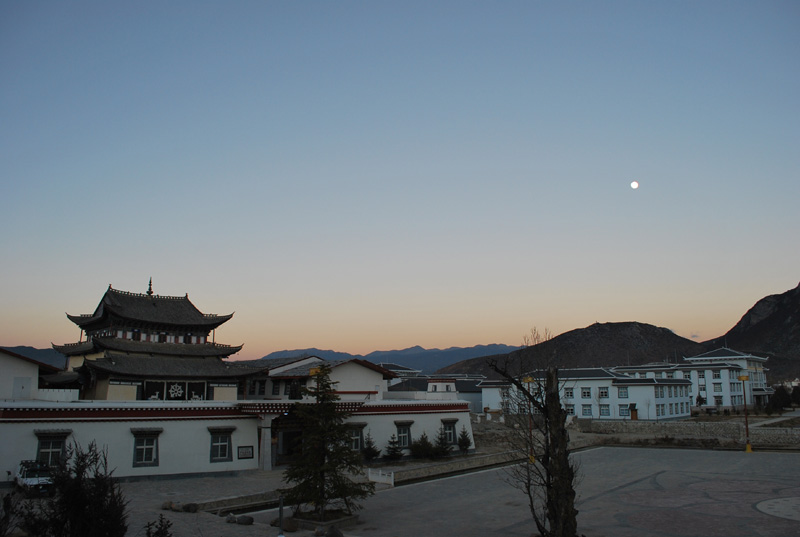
(748, 448)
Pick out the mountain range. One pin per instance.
(425, 360)
(770, 328)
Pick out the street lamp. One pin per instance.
(748, 448)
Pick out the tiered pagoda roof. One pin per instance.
(158, 366)
(147, 309)
(100, 344)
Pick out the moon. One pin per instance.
(635, 185)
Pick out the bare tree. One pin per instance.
(547, 476)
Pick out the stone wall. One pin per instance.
(725, 432)
(456, 464)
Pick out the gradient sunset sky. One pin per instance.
(365, 176)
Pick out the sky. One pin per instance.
(363, 176)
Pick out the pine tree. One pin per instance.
(421, 448)
(370, 450)
(442, 447)
(393, 450)
(321, 473)
(464, 441)
(86, 499)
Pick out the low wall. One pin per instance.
(457, 464)
(725, 432)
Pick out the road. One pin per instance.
(623, 492)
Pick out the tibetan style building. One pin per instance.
(145, 346)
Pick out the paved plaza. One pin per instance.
(623, 492)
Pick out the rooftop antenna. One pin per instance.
(150, 287)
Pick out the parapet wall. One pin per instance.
(725, 432)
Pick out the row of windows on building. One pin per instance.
(153, 337)
(145, 446)
(623, 411)
(622, 392)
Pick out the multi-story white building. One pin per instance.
(599, 393)
(716, 378)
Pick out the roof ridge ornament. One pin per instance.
(150, 287)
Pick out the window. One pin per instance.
(262, 387)
(570, 409)
(670, 409)
(605, 410)
(449, 427)
(287, 387)
(586, 393)
(145, 446)
(624, 410)
(356, 438)
(276, 387)
(718, 400)
(603, 392)
(717, 374)
(718, 387)
(670, 375)
(586, 410)
(404, 433)
(51, 445)
(221, 446)
(622, 392)
(568, 394)
(701, 374)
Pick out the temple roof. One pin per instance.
(148, 308)
(97, 344)
(161, 366)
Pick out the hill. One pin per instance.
(770, 328)
(598, 345)
(426, 360)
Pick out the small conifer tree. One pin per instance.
(370, 450)
(464, 441)
(442, 447)
(393, 450)
(86, 499)
(421, 448)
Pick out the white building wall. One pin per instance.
(643, 396)
(381, 420)
(19, 378)
(357, 379)
(184, 446)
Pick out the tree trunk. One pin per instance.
(561, 511)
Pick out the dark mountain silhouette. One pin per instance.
(598, 345)
(426, 360)
(770, 328)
